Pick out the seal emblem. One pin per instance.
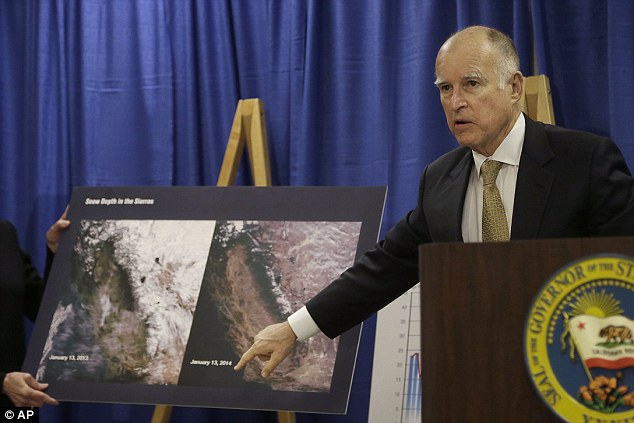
(579, 340)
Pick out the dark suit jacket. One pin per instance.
(21, 290)
(569, 184)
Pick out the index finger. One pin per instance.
(47, 399)
(246, 357)
(50, 400)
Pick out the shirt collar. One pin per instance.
(510, 150)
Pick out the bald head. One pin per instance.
(495, 42)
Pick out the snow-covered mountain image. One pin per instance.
(177, 302)
(129, 306)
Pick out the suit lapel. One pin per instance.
(453, 192)
(533, 183)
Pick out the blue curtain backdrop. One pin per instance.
(143, 92)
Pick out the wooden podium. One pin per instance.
(475, 301)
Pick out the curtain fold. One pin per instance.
(587, 51)
(144, 93)
(620, 68)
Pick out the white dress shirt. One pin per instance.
(508, 153)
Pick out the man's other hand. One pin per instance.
(24, 391)
(55, 231)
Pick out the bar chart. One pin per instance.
(395, 396)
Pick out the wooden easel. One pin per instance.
(249, 128)
(538, 101)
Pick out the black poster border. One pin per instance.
(316, 204)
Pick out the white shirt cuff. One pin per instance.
(303, 324)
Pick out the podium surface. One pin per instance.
(475, 300)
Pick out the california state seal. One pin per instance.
(579, 340)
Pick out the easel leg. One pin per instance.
(285, 417)
(248, 127)
(162, 414)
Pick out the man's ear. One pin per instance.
(517, 86)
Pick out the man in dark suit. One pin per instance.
(553, 183)
(21, 290)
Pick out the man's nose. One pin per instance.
(457, 100)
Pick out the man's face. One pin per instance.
(479, 112)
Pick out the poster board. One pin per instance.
(155, 292)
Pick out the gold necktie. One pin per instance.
(494, 224)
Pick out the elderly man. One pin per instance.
(547, 182)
